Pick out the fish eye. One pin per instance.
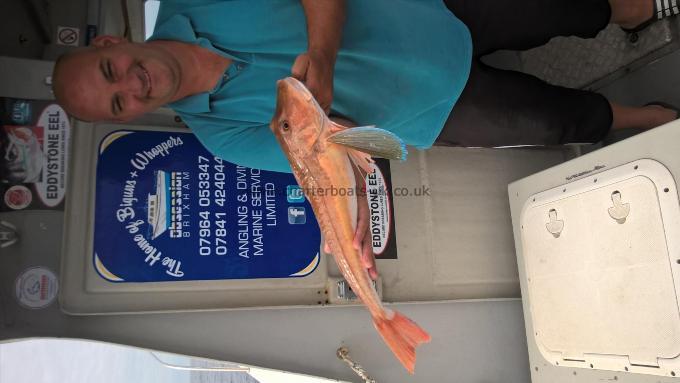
(285, 125)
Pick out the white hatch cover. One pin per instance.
(601, 258)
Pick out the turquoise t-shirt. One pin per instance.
(401, 66)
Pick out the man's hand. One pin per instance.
(325, 20)
(315, 69)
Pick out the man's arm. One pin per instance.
(325, 21)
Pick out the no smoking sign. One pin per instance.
(68, 36)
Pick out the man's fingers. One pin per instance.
(325, 105)
(300, 66)
(362, 223)
(313, 87)
(359, 235)
(373, 273)
(368, 259)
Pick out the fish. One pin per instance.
(323, 156)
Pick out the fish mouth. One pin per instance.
(295, 83)
(298, 86)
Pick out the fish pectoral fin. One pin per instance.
(362, 160)
(373, 141)
(335, 127)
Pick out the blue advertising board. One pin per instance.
(168, 210)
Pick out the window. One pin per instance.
(150, 16)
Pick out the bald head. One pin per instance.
(66, 85)
(115, 80)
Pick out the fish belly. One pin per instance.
(336, 212)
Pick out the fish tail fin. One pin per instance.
(402, 335)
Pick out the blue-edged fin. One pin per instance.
(371, 140)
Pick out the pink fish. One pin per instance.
(322, 155)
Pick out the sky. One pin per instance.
(150, 15)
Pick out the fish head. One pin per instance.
(299, 120)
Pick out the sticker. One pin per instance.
(381, 211)
(36, 288)
(68, 36)
(18, 197)
(294, 194)
(33, 153)
(297, 215)
(168, 210)
(21, 112)
(52, 187)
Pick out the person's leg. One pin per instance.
(631, 13)
(507, 108)
(635, 15)
(646, 117)
(525, 24)
(502, 108)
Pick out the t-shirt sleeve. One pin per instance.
(251, 146)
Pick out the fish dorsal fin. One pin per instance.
(372, 141)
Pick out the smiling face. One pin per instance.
(116, 80)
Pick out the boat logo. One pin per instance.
(167, 207)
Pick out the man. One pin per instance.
(399, 64)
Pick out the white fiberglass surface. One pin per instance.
(75, 361)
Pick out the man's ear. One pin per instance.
(107, 40)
